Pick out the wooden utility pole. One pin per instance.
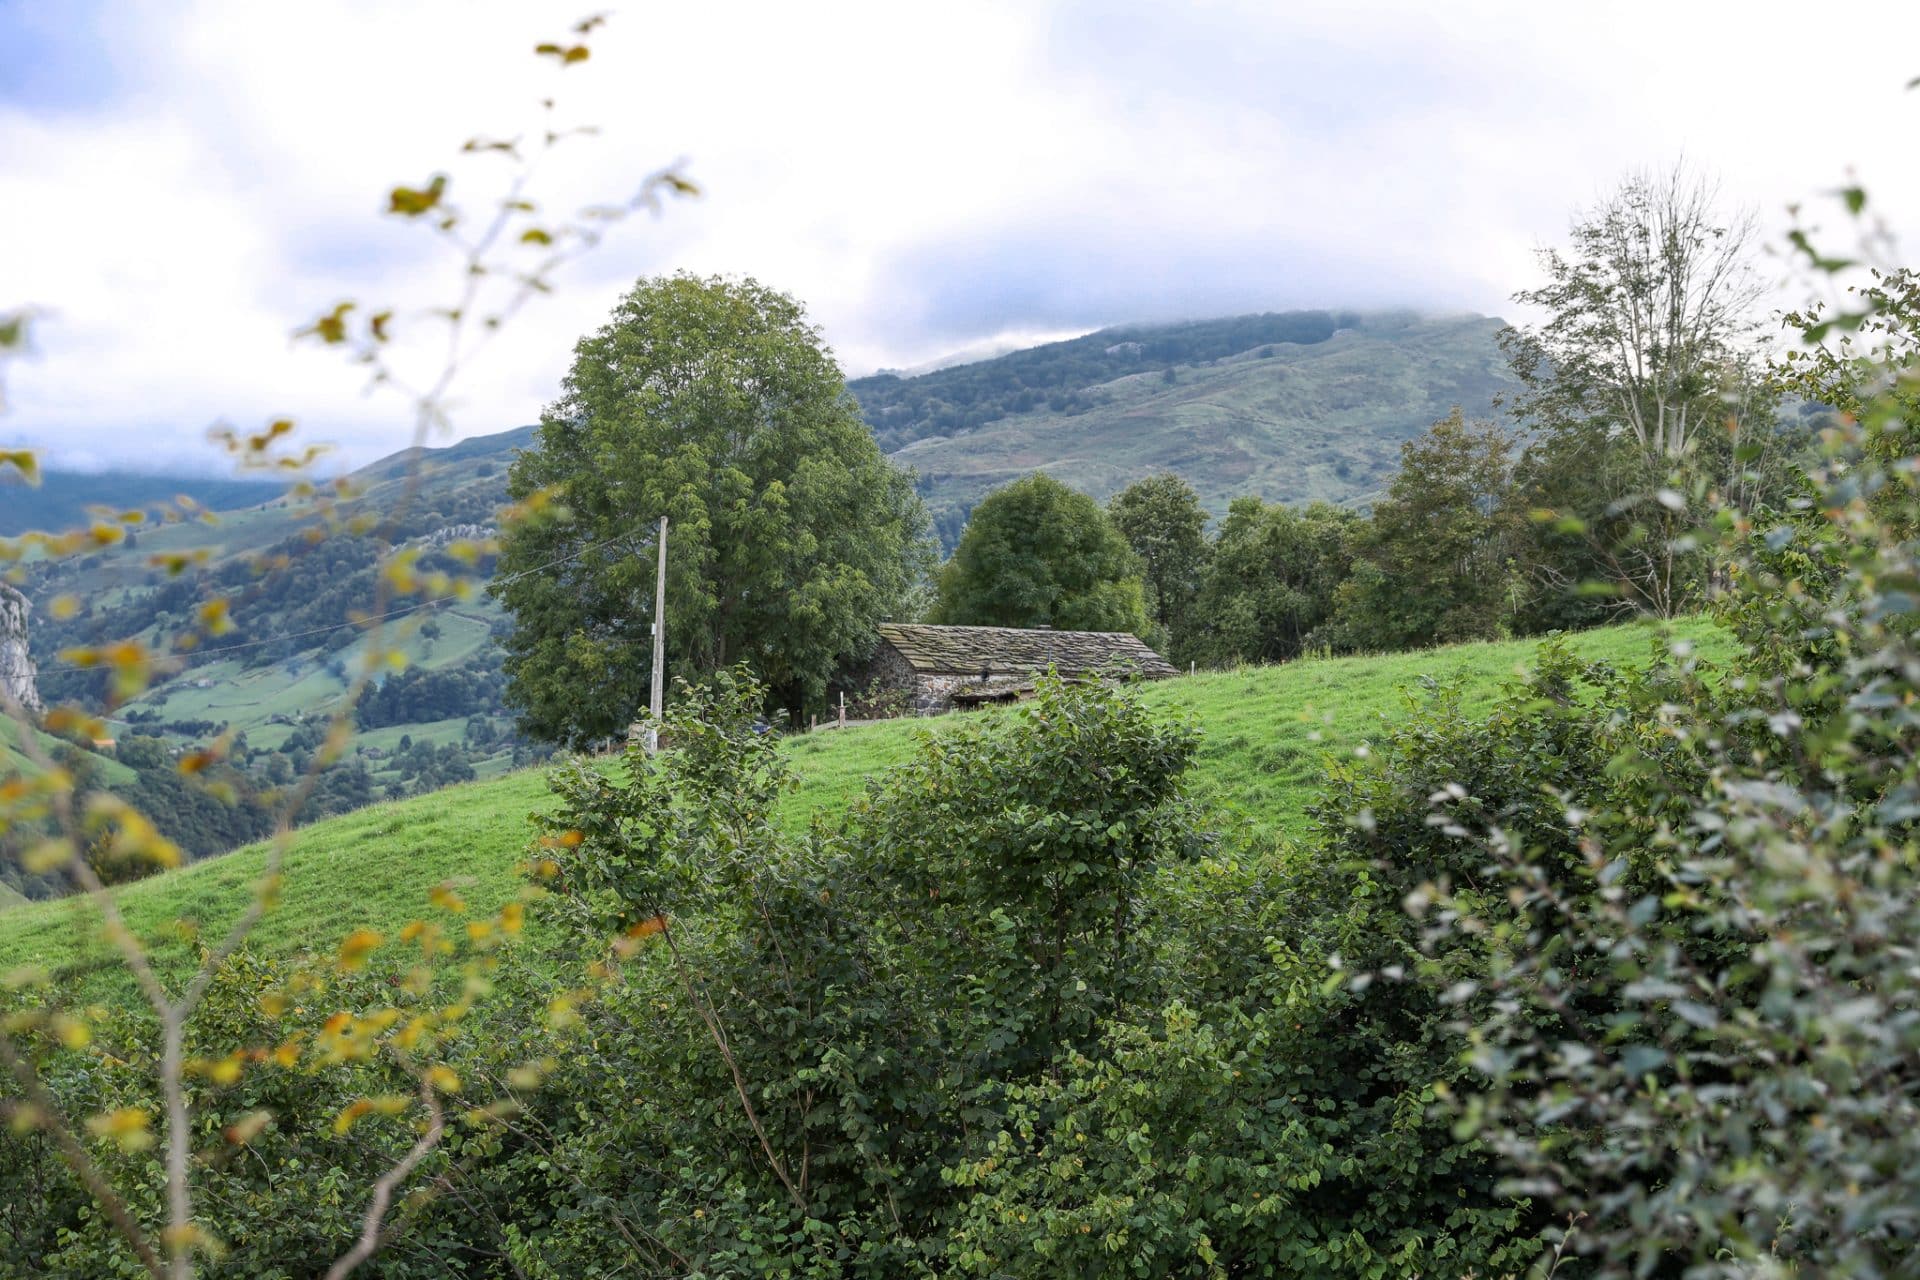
(657, 704)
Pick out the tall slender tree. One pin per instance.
(1639, 390)
(1162, 520)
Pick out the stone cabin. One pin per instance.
(925, 670)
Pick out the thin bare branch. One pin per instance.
(375, 1217)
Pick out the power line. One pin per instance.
(188, 659)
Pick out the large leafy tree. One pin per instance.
(715, 404)
(1271, 581)
(1162, 520)
(1037, 553)
(1645, 314)
(1433, 564)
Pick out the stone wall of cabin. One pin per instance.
(888, 686)
(934, 691)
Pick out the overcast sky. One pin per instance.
(184, 182)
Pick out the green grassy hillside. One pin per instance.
(1291, 406)
(294, 647)
(13, 760)
(1266, 733)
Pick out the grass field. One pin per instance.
(261, 701)
(13, 760)
(1266, 733)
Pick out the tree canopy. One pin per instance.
(1271, 582)
(1037, 553)
(713, 403)
(1162, 520)
(1432, 566)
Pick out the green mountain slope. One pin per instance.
(295, 644)
(65, 498)
(1222, 403)
(15, 760)
(1266, 733)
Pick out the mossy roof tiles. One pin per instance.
(1016, 651)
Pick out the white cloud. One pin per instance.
(926, 179)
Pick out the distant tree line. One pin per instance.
(1640, 397)
(420, 695)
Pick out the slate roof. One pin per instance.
(1015, 651)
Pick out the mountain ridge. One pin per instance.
(1286, 406)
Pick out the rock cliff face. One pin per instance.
(16, 664)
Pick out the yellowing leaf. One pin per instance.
(247, 1127)
(288, 1052)
(214, 617)
(411, 202)
(351, 1113)
(648, 927)
(561, 1013)
(126, 1126)
(356, 947)
(25, 461)
(46, 855)
(71, 1032)
(330, 328)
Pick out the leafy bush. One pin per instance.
(1674, 913)
(1011, 1015)
(267, 1133)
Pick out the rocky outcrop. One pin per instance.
(17, 671)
